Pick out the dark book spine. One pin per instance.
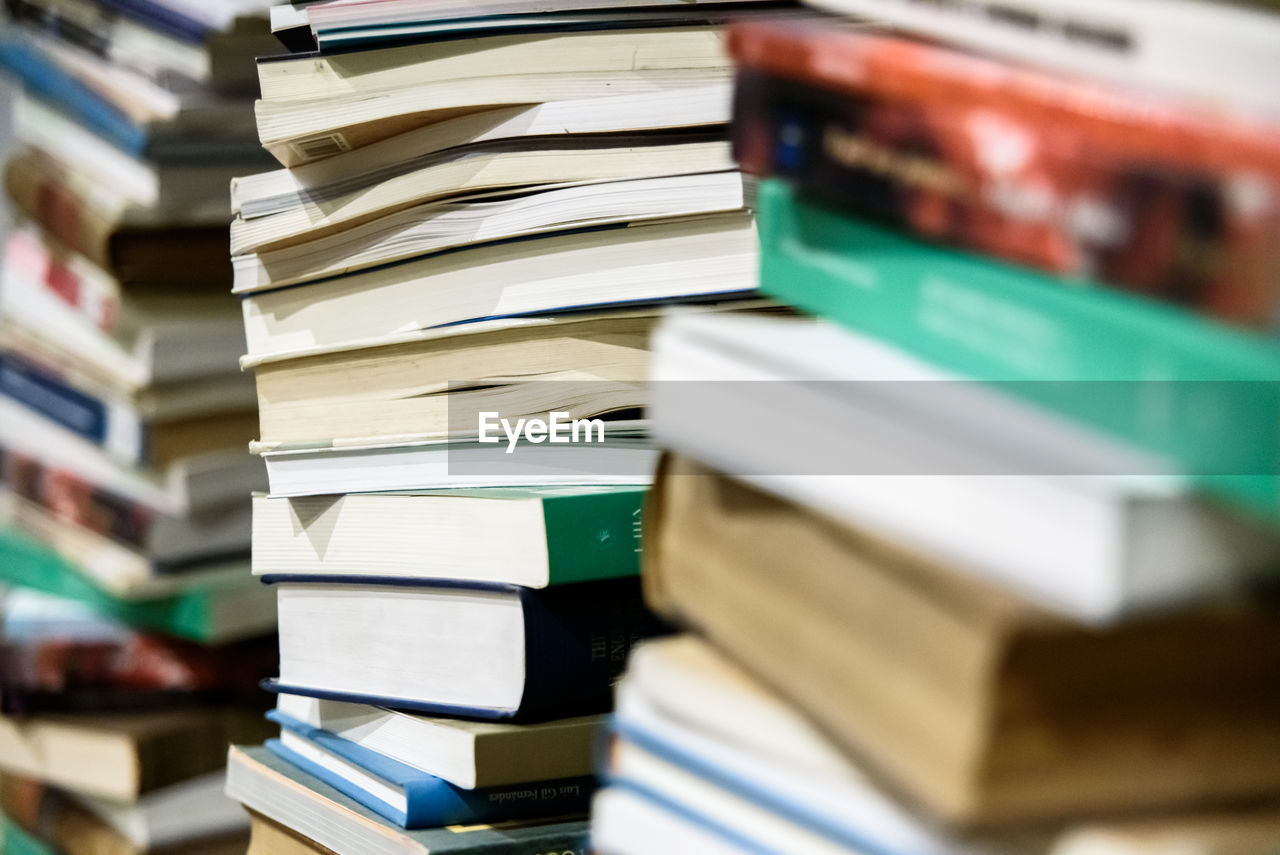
(1164, 228)
(577, 639)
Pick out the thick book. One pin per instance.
(631, 136)
(448, 224)
(1109, 186)
(162, 538)
(1141, 371)
(694, 258)
(533, 537)
(268, 837)
(1102, 530)
(484, 651)
(212, 611)
(191, 816)
(432, 384)
(111, 233)
(942, 684)
(60, 655)
(307, 806)
(1212, 52)
(411, 798)
(470, 754)
(136, 337)
(123, 756)
(300, 119)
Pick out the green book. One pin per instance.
(210, 613)
(15, 841)
(1198, 393)
(529, 536)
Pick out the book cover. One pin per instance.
(1075, 179)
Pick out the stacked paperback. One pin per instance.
(447, 296)
(131, 644)
(982, 558)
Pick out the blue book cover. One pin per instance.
(577, 638)
(43, 79)
(430, 801)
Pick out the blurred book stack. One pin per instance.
(132, 640)
(982, 558)
(483, 210)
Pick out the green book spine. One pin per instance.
(28, 564)
(1200, 394)
(593, 535)
(15, 841)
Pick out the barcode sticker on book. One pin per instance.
(325, 146)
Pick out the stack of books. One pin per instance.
(132, 642)
(982, 558)
(448, 293)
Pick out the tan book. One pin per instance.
(268, 837)
(963, 697)
(61, 820)
(123, 755)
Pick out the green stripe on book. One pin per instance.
(593, 534)
(1197, 392)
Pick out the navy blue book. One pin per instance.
(411, 798)
(449, 648)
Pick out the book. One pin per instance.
(469, 754)
(106, 232)
(746, 768)
(1027, 499)
(60, 655)
(410, 798)
(1213, 52)
(16, 841)
(944, 683)
(489, 652)
(189, 816)
(156, 426)
(197, 485)
(347, 27)
(268, 837)
(701, 257)
(475, 167)
(416, 83)
(137, 339)
(432, 382)
(160, 538)
(436, 226)
(123, 756)
(218, 610)
(626, 457)
(1109, 356)
(307, 806)
(532, 537)
(1098, 178)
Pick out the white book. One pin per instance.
(1221, 53)
(693, 257)
(189, 810)
(985, 482)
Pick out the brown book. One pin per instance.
(268, 837)
(963, 697)
(123, 755)
(53, 817)
(133, 252)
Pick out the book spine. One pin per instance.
(1163, 227)
(1161, 378)
(78, 501)
(45, 80)
(37, 193)
(577, 639)
(160, 17)
(30, 263)
(594, 536)
(110, 426)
